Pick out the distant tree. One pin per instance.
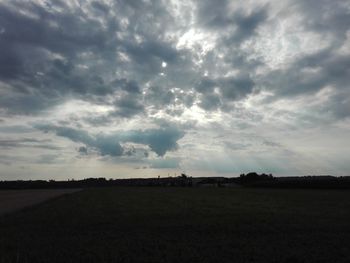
(254, 177)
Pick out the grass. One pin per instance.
(126, 224)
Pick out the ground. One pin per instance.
(12, 200)
(155, 224)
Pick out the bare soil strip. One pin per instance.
(13, 200)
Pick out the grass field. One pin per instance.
(181, 225)
(13, 200)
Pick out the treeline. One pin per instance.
(52, 184)
(310, 181)
(182, 180)
(244, 180)
(254, 178)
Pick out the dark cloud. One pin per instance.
(51, 57)
(130, 151)
(325, 68)
(159, 97)
(229, 89)
(236, 146)
(6, 159)
(271, 143)
(100, 120)
(160, 141)
(100, 7)
(310, 74)
(108, 145)
(30, 41)
(327, 17)
(128, 106)
(25, 104)
(242, 61)
(15, 129)
(210, 102)
(206, 85)
(220, 16)
(105, 144)
(152, 52)
(83, 150)
(27, 143)
(166, 163)
(236, 88)
(48, 159)
(338, 105)
(213, 14)
(36, 29)
(48, 53)
(246, 25)
(130, 86)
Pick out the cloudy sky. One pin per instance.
(138, 88)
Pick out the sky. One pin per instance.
(141, 88)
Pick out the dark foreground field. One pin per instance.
(12, 200)
(181, 225)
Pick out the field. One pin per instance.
(11, 200)
(156, 224)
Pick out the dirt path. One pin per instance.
(13, 200)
